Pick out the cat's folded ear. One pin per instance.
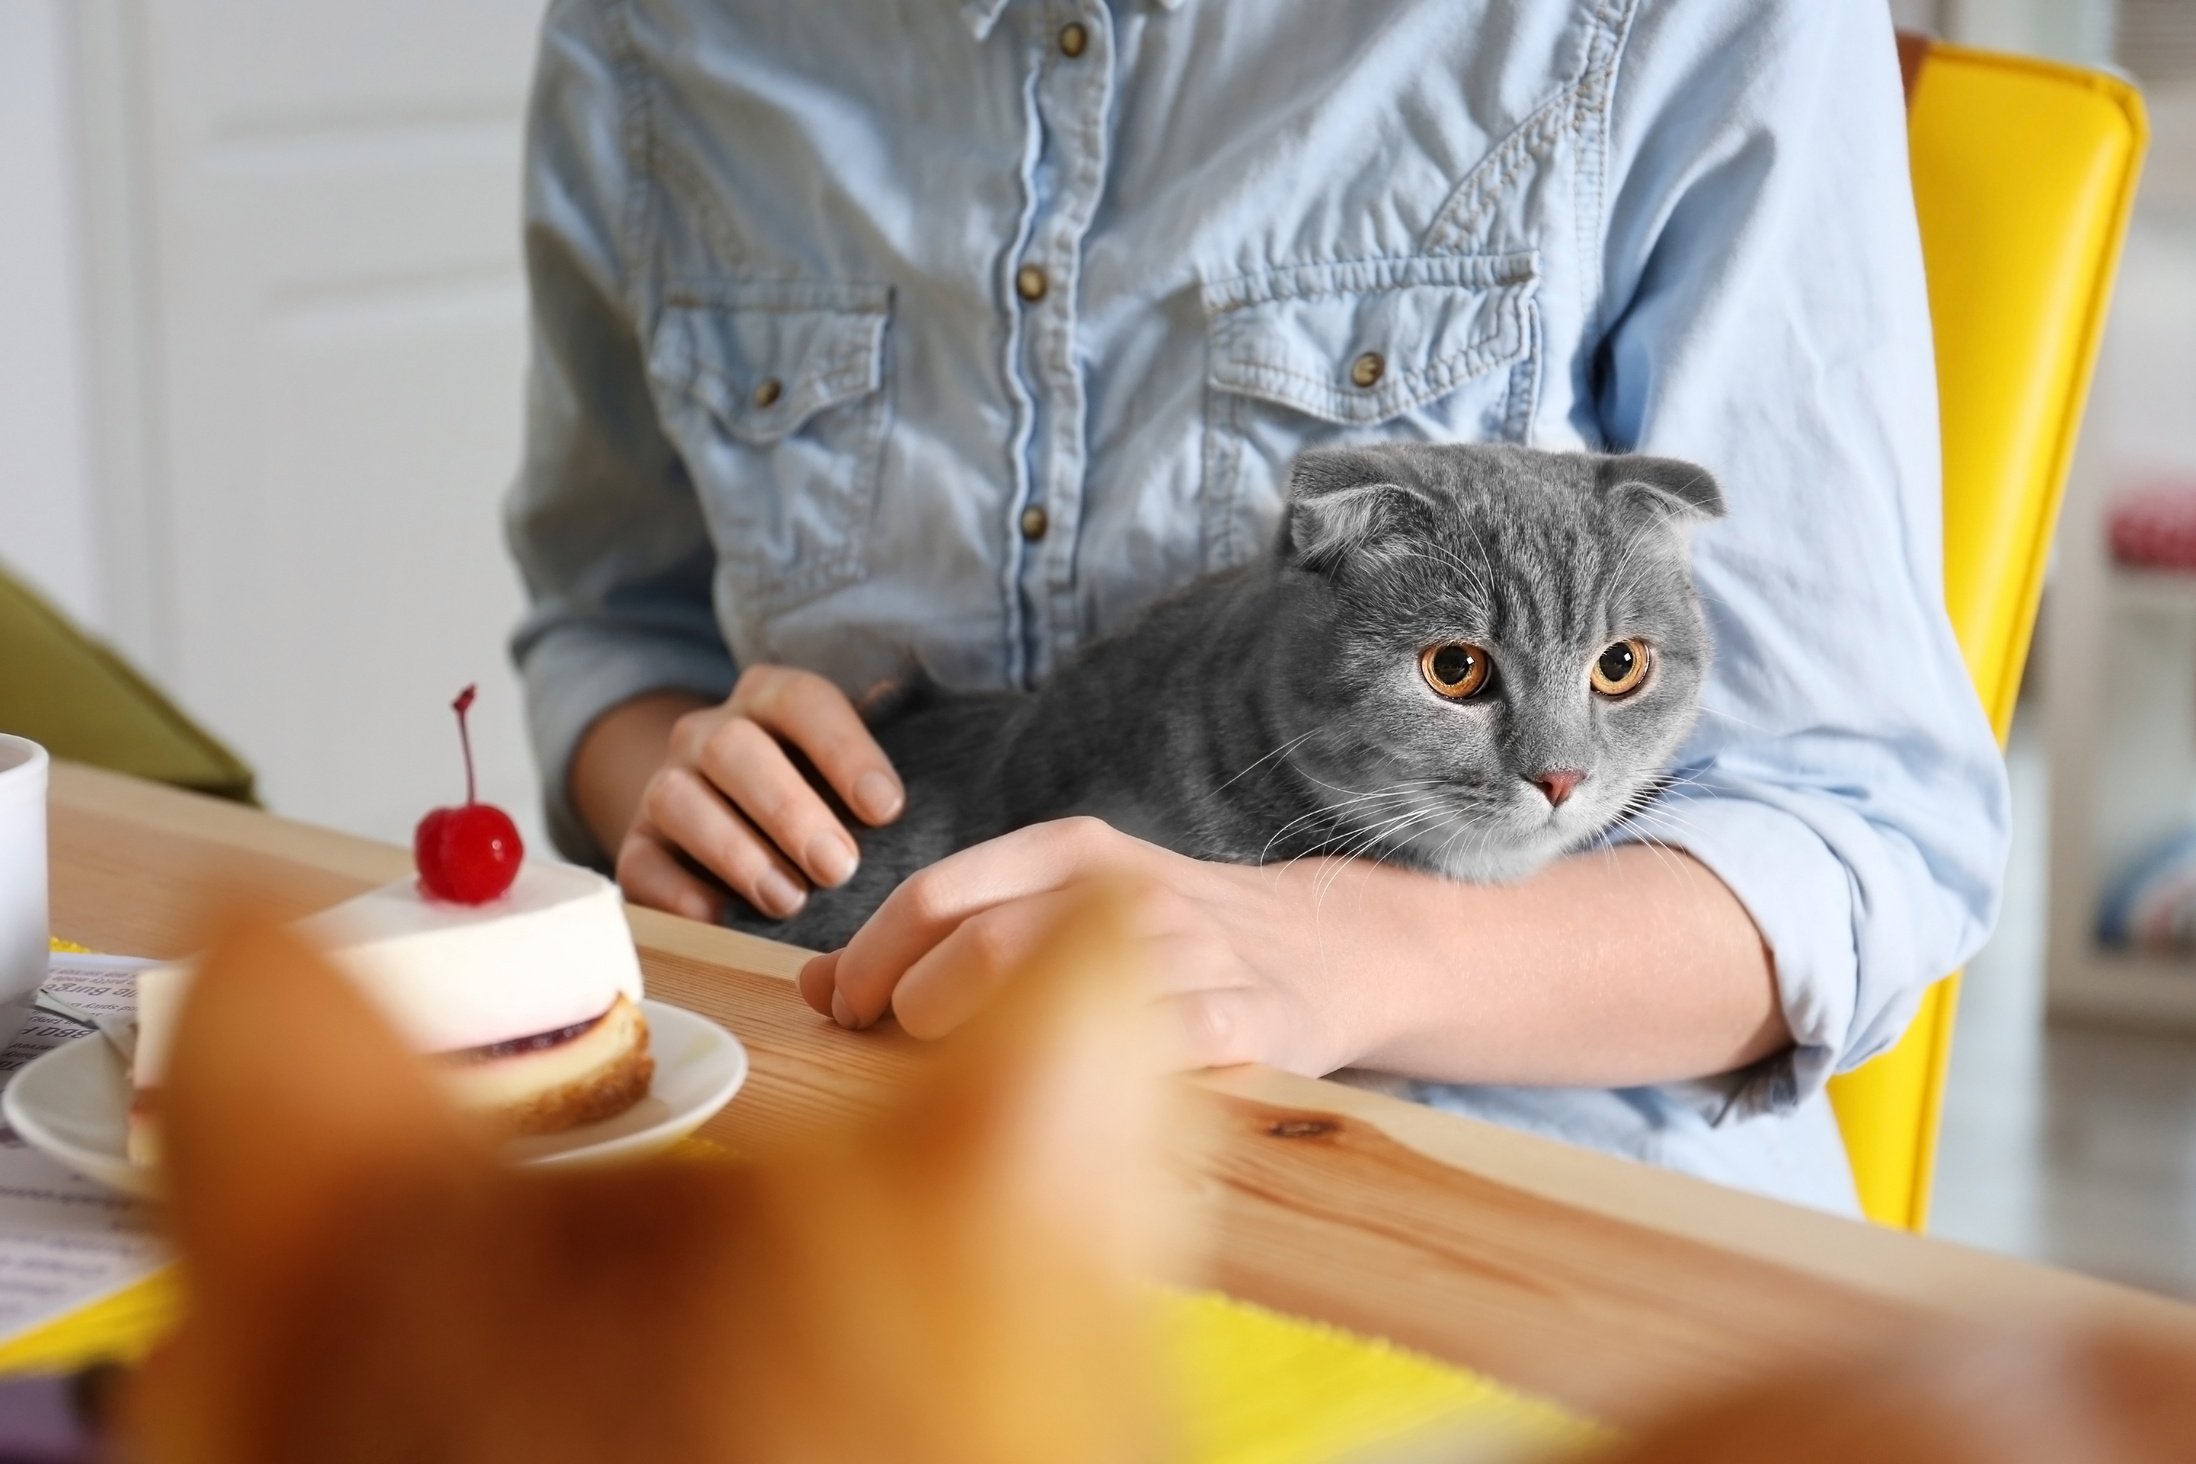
(1668, 488)
(1343, 501)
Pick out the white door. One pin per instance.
(309, 335)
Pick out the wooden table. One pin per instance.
(1603, 1284)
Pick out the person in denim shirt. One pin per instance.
(946, 339)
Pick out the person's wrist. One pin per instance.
(1316, 927)
(1367, 927)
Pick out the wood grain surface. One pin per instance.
(1609, 1286)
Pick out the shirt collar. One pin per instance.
(982, 15)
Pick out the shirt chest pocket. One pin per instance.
(1437, 348)
(778, 406)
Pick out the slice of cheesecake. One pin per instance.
(529, 1005)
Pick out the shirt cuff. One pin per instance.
(1800, 897)
(575, 673)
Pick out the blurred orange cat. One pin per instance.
(948, 1281)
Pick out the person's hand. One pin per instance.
(729, 798)
(1233, 952)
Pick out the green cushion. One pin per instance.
(61, 688)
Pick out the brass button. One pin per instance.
(1034, 523)
(768, 391)
(1367, 369)
(1073, 38)
(1029, 283)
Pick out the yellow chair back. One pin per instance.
(2024, 172)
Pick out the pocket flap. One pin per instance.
(1361, 341)
(763, 368)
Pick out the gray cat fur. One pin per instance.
(1277, 709)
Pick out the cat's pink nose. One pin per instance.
(1557, 784)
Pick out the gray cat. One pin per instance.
(1463, 659)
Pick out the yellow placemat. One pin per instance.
(1262, 1388)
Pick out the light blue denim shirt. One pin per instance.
(949, 333)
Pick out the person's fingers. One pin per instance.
(817, 981)
(694, 816)
(652, 876)
(815, 716)
(931, 902)
(953, 980)
(751, 769)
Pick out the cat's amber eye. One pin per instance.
(1456, 669)
(1620, 668)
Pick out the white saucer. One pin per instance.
(73, 1103)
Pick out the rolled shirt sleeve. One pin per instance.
(603, 520)
(1764, 313)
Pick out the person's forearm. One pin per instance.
(1626, 966)
(616, 758)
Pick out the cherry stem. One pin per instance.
(462, 705)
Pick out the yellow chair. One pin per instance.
(2024, 172)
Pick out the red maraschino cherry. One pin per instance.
(467, 855)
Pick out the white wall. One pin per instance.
(47, 519)
(261, 352)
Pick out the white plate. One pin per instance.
(73, 1103)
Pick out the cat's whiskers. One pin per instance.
(1348, 831)
(1281, 752)
(1677, 787)
(1639, 830)
(1485, 830)
(1674, 822)
(1335, 812)
(1660, 816)
(1353, 792)
(1674, 785)
(1347, 792)
(1384, 833)
(1668, 798)
(1481, 828)
(1637, 837)
(1345, 858)
(1362, 836)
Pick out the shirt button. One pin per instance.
(1367, 369)
(1029, 283)
(768, 391)
(1034, 523)
(1072, 39)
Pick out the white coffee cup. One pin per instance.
(23, 913)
